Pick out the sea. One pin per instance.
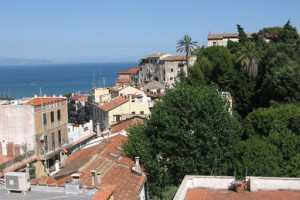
(22, 81)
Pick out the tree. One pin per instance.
(186, 45)
(190, 131)
(272, 134)
(242, 35)
(288, 34)
(249, 57)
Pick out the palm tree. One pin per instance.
(186, 45)
(249, 56)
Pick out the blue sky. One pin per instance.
(105, 31)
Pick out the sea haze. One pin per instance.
(18, 81)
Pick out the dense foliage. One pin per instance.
(190, 132)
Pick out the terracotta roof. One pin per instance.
(113, 103)
(136, 95)
(124, 80)
(151, 95)
(4, 159)
(174, 58)
(38, 100)
(81, 97)
(156, 55)
(225, 35)
(130, 71)
(114, 171)
(128, 123)
(210, 194)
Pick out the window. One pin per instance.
(117, 118)
(171, 78)
(45, 119)
(142, 112)
(214, 44)
(53, 140)
(171, 69)
(58, 115)
(133, 113)
(46, 143)
(52, 117)
(59, 137)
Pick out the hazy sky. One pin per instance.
(126, 30)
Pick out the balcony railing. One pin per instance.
(46, 153)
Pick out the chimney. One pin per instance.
(98, 178)
(137, 161)
(56, 166)
(137, 168)
(98, 129)
(93, 173)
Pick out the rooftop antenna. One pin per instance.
(100, 79)
(94, 81)
(103, 79)
(6, 93)
(39, 84)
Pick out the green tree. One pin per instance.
(288, 34)
(276, 128)
(186, 45)
(242, 35)
(249, 57)
(190, 131)
(260, 157)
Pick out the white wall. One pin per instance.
(17, 126)
(273, 183)
(225, 182)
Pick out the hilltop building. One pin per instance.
(38, 124)
(163, 67)
(129, 77)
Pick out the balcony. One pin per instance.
(46, 153)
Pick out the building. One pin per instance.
(163, 67)
(129, 77)
(82, 98)
(221, 39)
(38, 124)
(148, 67)
(123, 90)
(100, 95)
(120, 108)
(221, 187)
(102, 167)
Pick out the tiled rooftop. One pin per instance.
(38, 101)
(156, 55)
(124, 80)
(225, 35)
(4, 159)
(210, 194)
(130, 71)
(124, 125)
(175, 58)
(113, 103)
(114, 171)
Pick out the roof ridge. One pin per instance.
(88, 163)
(115, 162)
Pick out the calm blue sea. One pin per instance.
(19, 81)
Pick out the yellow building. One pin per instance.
(120, 108)
(37, 124)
